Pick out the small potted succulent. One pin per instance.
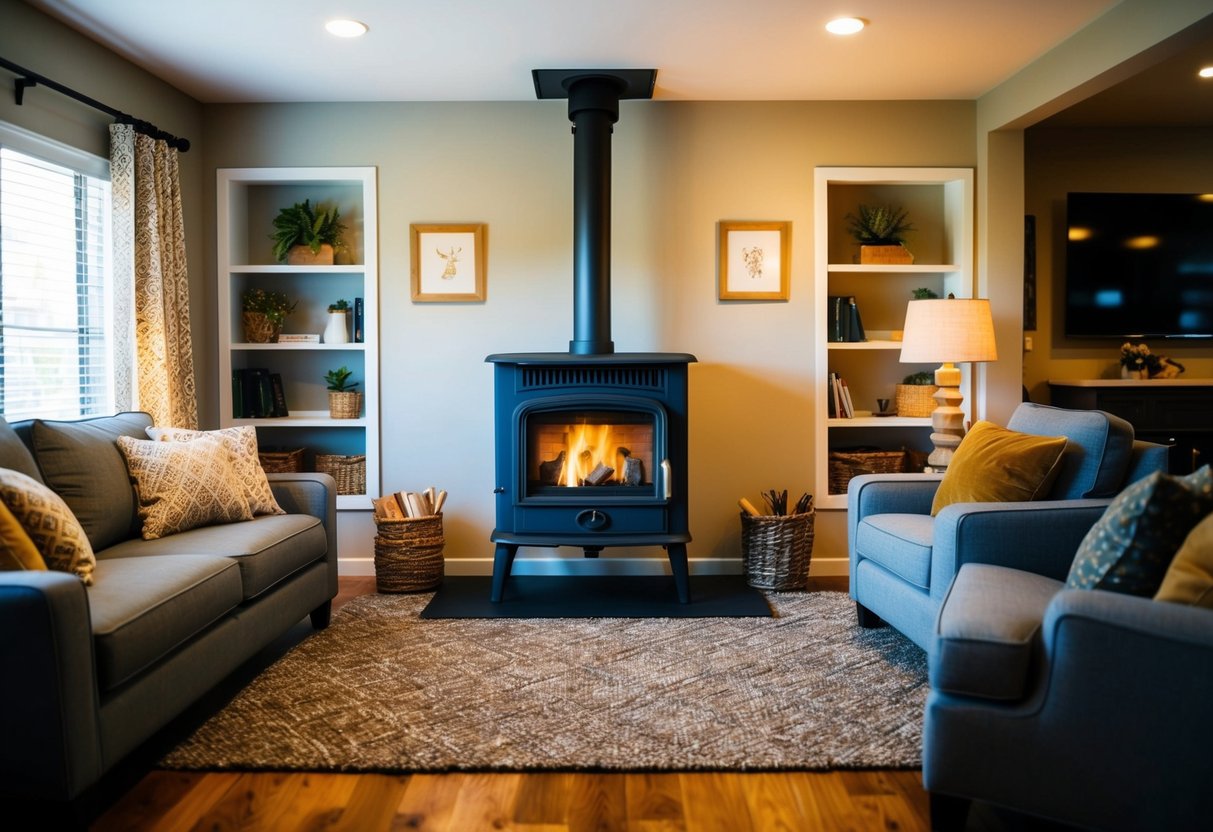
(344, 401)
(263, 313)
(880, 231)
(307, 236)
(337, 330)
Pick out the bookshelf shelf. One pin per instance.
(940, 204)
(248, 199)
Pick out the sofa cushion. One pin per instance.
(13, 453)
(995, 465)
(184, 485)
(986, 631)
(267, 549)
(143, 608)
(1130, 547)
(1189, 578)
(81, 463)
(17, 551)
(901, 543)
(1099, 448)
(49, 523)
(242, 443)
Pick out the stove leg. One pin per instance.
(503, 559)
(678, 565)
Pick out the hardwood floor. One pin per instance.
(540, 802)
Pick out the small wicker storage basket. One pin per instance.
(259, 329)
(847, 464)
(915, 400)
(776, 550)
(346, 405)
(279, 461)
(348, 471)
(408, 554)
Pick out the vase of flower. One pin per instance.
(1127, 373)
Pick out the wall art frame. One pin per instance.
(448, 262)
(754, 260)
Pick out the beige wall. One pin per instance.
(679, 168)
(1133, 160)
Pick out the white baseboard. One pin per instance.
(365, 566)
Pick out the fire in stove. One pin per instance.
(593, 450)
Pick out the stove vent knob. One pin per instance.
(593, 520)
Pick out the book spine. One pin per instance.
(279, 395)
(359, 334)
(854, 324)
(238, 394)
(836, 324)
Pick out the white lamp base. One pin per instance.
(947, 419)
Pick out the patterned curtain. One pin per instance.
(149, 252)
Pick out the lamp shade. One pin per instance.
(948, 330)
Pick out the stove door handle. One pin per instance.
(667, 478)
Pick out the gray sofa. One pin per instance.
(92, 672)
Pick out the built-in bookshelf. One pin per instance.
(248, 200)
(939, 202)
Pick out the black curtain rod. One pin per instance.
(27, 78)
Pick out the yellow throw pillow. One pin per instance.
(49, 523)
(996, 465)
(17, 551)
(242, 442)
(1189, 578)
(183, 485)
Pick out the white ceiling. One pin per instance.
(477, 50)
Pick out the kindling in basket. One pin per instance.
(776, 550)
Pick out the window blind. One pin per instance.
(55, 357)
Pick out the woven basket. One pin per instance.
(915, 399)
(259, 329)
(847, 464)
(345, 405)
(348, 471)
(408, 554)
(275, 461)
(776, 550)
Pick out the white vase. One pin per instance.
(336, 332)
(1125, 372)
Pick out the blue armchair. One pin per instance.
(902, 560)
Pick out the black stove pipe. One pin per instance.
(593, 108)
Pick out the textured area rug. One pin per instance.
(383, 690)
(600, 596)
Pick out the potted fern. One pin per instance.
(344, 401)
(307, 236)
(880, 231)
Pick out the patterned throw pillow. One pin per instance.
(49, 523)
(242, 442)
(17, 551)
(1130, 547)
(995, 465)
(184, 485)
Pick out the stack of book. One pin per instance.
(839, 398)
(257, 394)
(843, 322)
(405, 505)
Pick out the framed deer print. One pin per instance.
(755, 260)
(447, 261)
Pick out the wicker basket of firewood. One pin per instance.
(409, 554)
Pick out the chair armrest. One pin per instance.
(1076, 616)
(314, 494)
(870, 494)
(49, 706)
(1039, 536)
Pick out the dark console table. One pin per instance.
(1177, 412)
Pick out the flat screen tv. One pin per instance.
(1139, 265)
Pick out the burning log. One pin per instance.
(599, 475)
(633, 471)
(549, 472)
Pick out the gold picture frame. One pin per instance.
(755, 260)
(447, 262)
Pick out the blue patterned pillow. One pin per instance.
(1130, 547)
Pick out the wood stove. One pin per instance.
(591, 445)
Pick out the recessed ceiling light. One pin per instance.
(846, 25)
(1206, 72)
(343, 28)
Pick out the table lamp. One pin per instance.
(949, 330)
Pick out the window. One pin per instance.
(55, 281)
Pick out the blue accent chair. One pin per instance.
(902, 560)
